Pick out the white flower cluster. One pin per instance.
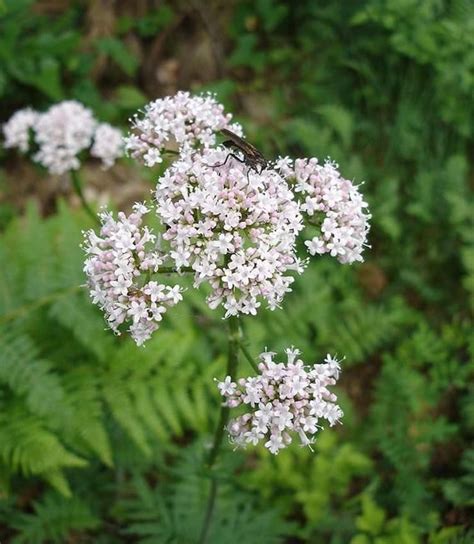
(16, 130)
(284, 398)
(181, 122)
(108, 144)
(334, 205)
(61, 134)
(118, 266)
(235, 228)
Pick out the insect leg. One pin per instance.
(243, 161)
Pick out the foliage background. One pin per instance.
(101, 441)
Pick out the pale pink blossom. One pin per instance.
(17, 130)
(179, 123)
(60, 138)
(234, 227)
(332, 205)
(108, 144)
(62, 133)
(119, 265)
(273, 415)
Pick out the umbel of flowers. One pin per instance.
(180, 122)
(236, 230)
(231, 227)
(119, 259)
(57, 137)
(284, 399)
(332, 204)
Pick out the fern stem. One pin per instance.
(26, 308)
(77, 184)
(232, 364)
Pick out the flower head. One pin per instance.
(118, 266)
(234, 227)
(17, 129)
(108, 144)
(181, 122)
(334, 206)
(61, 134)
(285, 399)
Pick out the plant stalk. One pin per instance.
(232, 364)
(249, 357)
(77, 184)
(173, 270)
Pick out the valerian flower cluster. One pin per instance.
(58, 136)
(177, 123)
(236, 229)
(285, 399)
(333, 205)
(231, 227)
(119, 263)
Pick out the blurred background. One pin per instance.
(101, 441)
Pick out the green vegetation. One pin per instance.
(101, 441)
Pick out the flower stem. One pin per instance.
(173, 270)
(77, 184)
(249, 357)
(232, 364)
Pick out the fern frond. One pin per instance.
(54, 520)
(27, 447)
(28, 376)
(86, 424)
(460, 491)
(173, 512)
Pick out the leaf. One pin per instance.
(339, 119)
(129, 97)
(54, 520)
(119, 53)
(372, 519)
(46, 77)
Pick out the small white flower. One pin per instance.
(275, 444)
(265, 412)
(227, 387)
(253, 436)
(138, 310)
(152, 157)
(316, 246)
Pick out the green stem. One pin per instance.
(172, 270)
(171, 151)
(77, 184)
(249, 357)
(232, 364)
